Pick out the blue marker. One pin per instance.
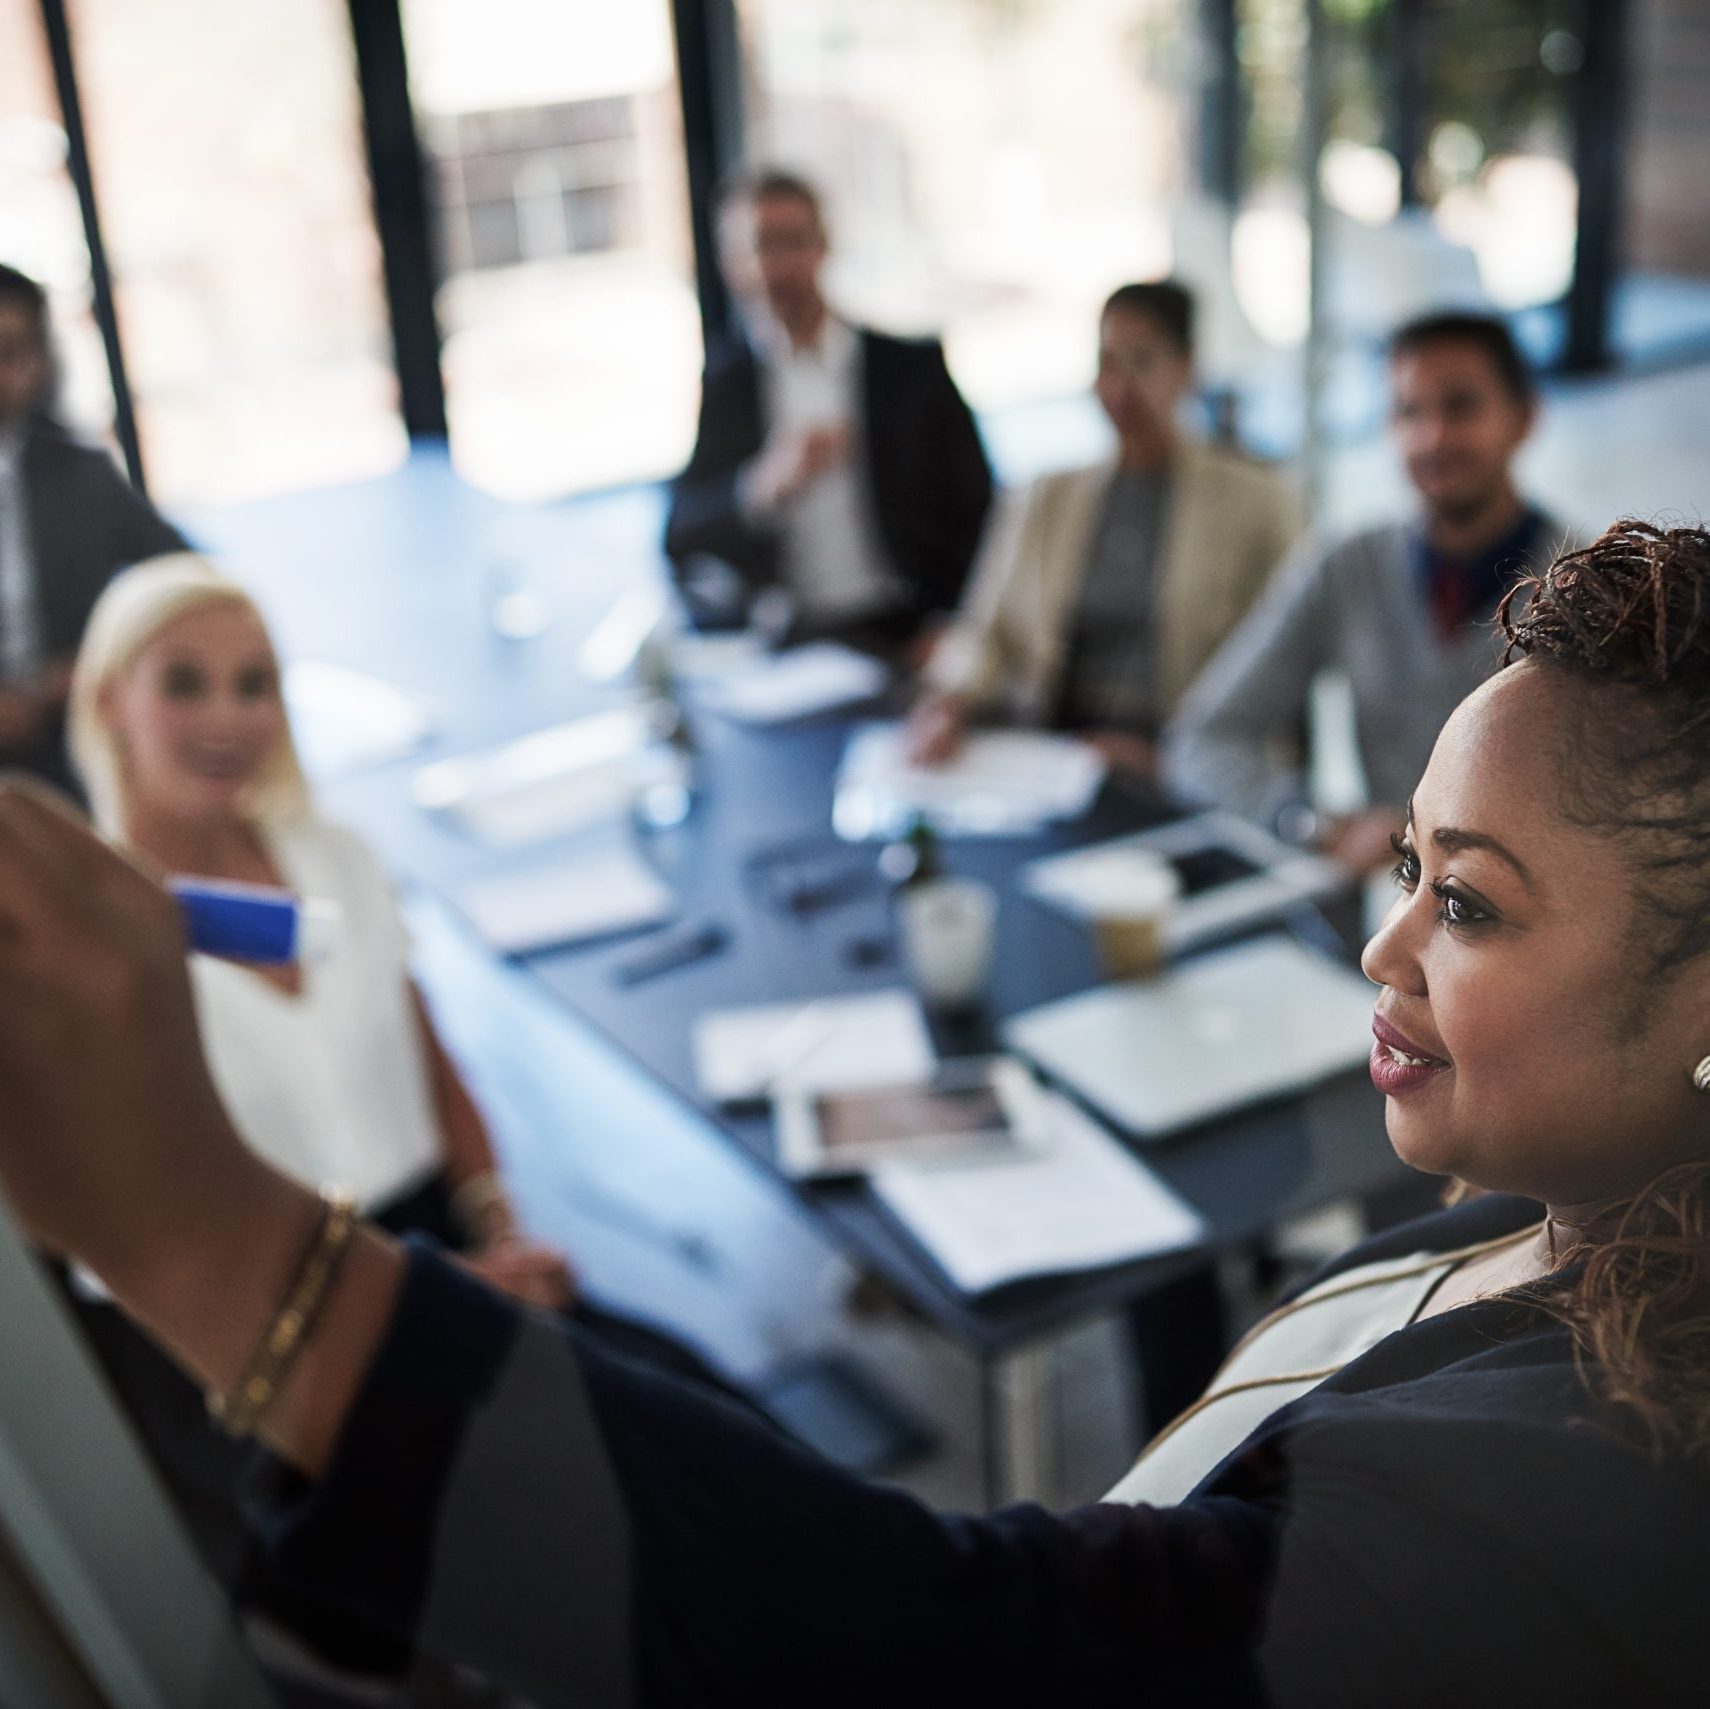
(249, 922)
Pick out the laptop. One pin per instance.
(103, 1605)
(1229, 1029)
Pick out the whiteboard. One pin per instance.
(103, 1604)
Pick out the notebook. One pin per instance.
(799, 683)
(544, 785)
(823, 1043)
(1001, 783)
(1229, 1029)
(587, 895)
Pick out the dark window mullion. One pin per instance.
(57, 29)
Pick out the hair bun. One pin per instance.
(1634, 606)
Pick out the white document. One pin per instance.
(798, 684)
(1233, 1028)
(1263, 876)
(344, 720)
(1002, 783)
(1079, 1202)
(584, 896)
(544, 785)
(821, 1043)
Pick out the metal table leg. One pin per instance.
(1018, 1421)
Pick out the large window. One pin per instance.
(993, 167)
(41, 230)
(226, 146)
(1476, 96)
(572, 336)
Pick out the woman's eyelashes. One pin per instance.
(1406, 869)
(1456, 907)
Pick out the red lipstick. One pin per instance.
(1393, 1077)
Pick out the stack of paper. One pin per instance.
(798, 684)
(544, 785)
(1001, 783)
(586, 896)
(1078, 1203)
(824, 1043)
(344, 720)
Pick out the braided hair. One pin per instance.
(1629, 618)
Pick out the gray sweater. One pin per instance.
(1357, 607)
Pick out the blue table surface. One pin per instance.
(395, 577)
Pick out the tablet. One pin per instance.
(965, 1108)
(1233, 874)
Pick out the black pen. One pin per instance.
(678, 949)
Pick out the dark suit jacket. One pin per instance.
(927, 478)
(1454, 1518)
(86, 522)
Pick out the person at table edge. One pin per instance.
(1402, 607)
(838, 486)
(1102, 591)
(68, 521)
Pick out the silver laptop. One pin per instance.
(1229, 1029)
(102, 1603)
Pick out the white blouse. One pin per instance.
(332, 1085)
(1283, 1357)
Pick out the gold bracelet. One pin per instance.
(239, 1411)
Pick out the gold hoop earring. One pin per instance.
(1701, 1075)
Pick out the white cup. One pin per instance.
(1130, 897)
(948, 929)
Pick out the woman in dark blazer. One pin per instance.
(1493, 1491)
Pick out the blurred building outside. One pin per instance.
(992, 169)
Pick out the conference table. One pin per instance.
(802, 915)
(799, 915)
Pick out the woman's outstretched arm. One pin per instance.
(468, 1471)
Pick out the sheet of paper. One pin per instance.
(1003, 782)
(584, 896)
(872, 1040)
(543, 785)
(1079, 1202)
(344, 720)
(798, 684)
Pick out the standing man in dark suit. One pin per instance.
(68, 521)
(836, 469)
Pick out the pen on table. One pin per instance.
(680, 950)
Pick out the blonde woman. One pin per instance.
(333, 1071)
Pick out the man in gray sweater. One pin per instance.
(1402, 609)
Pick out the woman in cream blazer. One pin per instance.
(1223, 524)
